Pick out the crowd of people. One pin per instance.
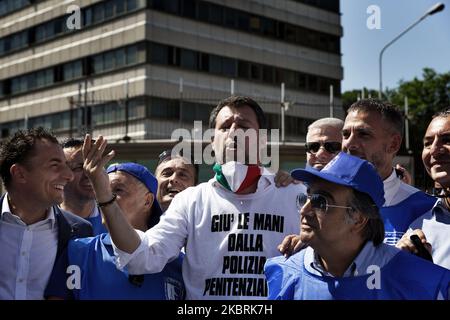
(350, 225)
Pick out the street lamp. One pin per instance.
(434, 9)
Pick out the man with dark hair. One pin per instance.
(79, 196)
(229, 225)
(174, 173)
(373, 131)
(33, 230)
(346, 257)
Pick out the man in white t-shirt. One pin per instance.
(229, 225)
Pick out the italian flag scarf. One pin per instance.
(235, 176)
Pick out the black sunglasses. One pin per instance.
(331, 147)
(318, 202)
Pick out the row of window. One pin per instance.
(103, 62)
(7, 6)
(240, 69)
(248, 22)
(195, 9)
(329, 5)
(156, 53)
(139, 108)
(91, 15)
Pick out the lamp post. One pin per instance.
(434, 9)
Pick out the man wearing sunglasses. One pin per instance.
(346, 257)
(323, 141)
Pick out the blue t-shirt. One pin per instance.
(100, 279)
(397, 218)
(97, 225)
(405, 276)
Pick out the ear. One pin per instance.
(395, 143)
(359, 222)
(18, 173)
(149, 199)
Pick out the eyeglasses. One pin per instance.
(331, 147)
(318, 202)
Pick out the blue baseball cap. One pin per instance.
(147, 178)
(349, 171)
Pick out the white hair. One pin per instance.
(336, 123)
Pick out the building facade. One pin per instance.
(143, 68)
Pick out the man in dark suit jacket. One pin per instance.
(33, 231)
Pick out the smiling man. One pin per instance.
(33, 231)
(433, 228)
(174, 174)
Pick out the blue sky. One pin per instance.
(426, 45)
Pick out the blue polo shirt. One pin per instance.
(97, 225)
(100, 279)
(398, 217)
(388, 276)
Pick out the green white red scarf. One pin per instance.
(235, 176)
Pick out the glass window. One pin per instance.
(230, 17)
(136, 109)
(203, 9)
(268, 27)
(312, 83)
(301, 81)
(98, 63)
(132, 5)
(255, 23)
(255, 72)
(215, 14)
(2, 46)
(99, 13)
(243, 69)
(98, 115)
(268, 74)
(72, 70)
(108, 60)
(215, 64)
(189, 59)
(109, 10)
(204, 62)
(229, 67)
(159, 54)
(120, 6)
(87, 16)
(188, 9)
(120, 57)
(132, 55)
(243, 21)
